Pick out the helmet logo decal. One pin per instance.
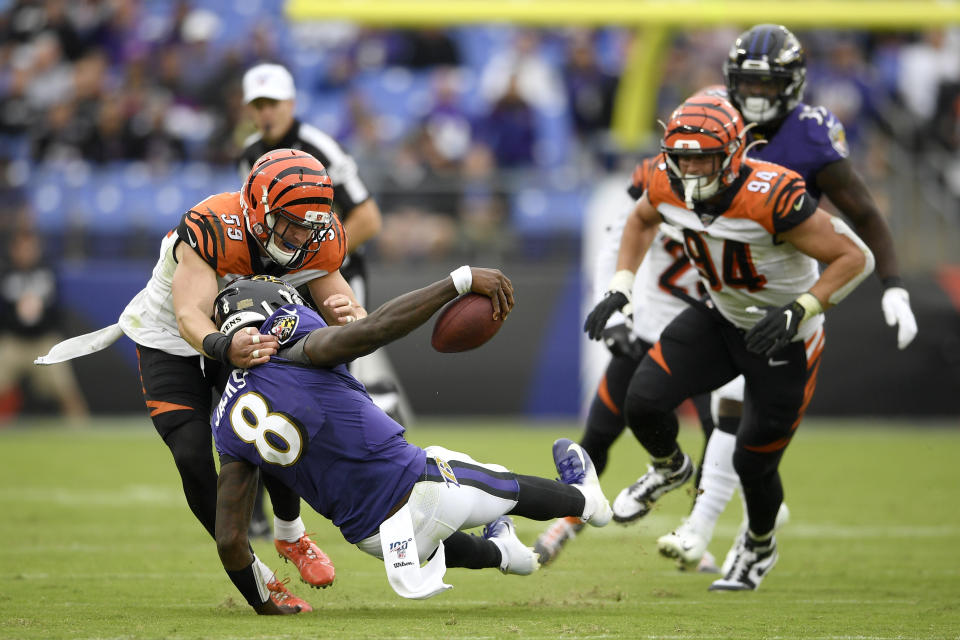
(284, 326)
(317, 217)
(755, 65)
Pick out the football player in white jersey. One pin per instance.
(755, 237)
(665, 282)
(765, 74)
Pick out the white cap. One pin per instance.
(268, 81)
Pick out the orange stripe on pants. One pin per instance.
(157, 407)
(604, 394)
(657, 354)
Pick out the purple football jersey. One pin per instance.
(318, 431)
(809, 139)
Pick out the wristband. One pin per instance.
(215, 345)
(249, 582)
(622, 281)
(892, 281)
(811, 306)
(462, 279)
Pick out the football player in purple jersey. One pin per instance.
(304, 419)
(765, 74)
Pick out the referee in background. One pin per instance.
(269, 93)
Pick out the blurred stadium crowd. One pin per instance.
(117, 115)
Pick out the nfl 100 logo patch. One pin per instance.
(284, 326)
(399, 549)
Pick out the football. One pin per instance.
(464, 324)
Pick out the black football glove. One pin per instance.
(612, 302)
(620, 341)
(776, 329)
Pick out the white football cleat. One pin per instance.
(783, 517)
(515, 557)
(684, 544)
(551, 542)
(636, 500)
(576, 468)
(750, 566)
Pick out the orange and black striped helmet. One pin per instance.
(704, 124)
(287, 200)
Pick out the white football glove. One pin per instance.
(896, 311)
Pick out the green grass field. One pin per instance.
(96, 541)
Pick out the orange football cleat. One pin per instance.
(313, 564)
(283, 598)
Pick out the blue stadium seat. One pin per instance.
(544, 211)
(398, 94)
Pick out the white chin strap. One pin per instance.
(758, 109)
(695, 188)
(278, 255)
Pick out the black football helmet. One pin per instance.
(766, 55)
(250, 300)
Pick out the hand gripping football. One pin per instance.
(464, 324)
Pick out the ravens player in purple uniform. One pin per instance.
(304, 419)
(765, 74)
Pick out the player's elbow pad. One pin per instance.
(869, 262)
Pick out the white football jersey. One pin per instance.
(741, 261)
(149, 318)
(664, 272)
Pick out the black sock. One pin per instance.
(728, 424)
(470, 552)
(671, 463)
(542, 499)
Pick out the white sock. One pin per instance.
(288, 530)
(717, 484)
(264, 570)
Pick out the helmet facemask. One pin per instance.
(780, 93)
(704, 127)
(286, 202)
(288, 239)
(770, 57)
(697, 187)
